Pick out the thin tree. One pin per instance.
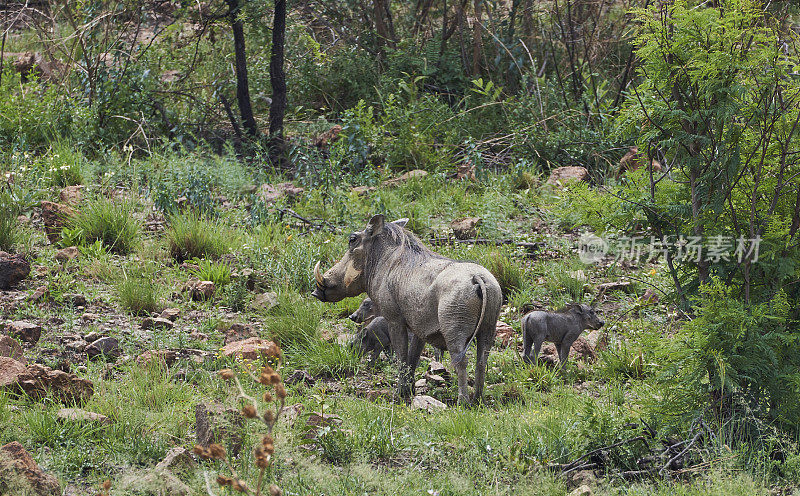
(277, 78)
(242, 89)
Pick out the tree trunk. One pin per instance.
(242, 90)
(277, 78)
(477, 39)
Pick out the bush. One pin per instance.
(190, 236)
(108, 221)
(139, 295)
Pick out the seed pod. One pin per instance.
(216, 451)
(269, 416)
(224, 481)
(280, 391)
(227, 374)
(201, 451)
(240, 486)
(267, 397)
(275, 379)
(249, 411)
(275, 490)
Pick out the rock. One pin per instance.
(434, 379)
(580, 350)
(78, 415)
(292, 412)
(251, 349)
(563, 175)
(363, 190)
(465, 171)
(300, 376)
(421, 384)
(77, 345)
(215, 423)
(170, 314)
(598, 340)
(436, 368)
(177, 459)
(583, 350)
(71, 195)
(583, 477)
(10, 371)
(93, 336)
(378, 394)
(614, 286)
(264, 301)
(24, 331)
(416, 173)
(202, 290)
(55, 216)
(67, 254)
(465, 228)
(20, 474)
(167, 357)
(10, 348)
(427, 403)
(329, 136)
(13, 269)
(634, 160)
(33, 64)
(315, 422)
(157, 323)
(38, 381)
(583, 490)
(504, 332)
(270, 193)
(159, 481)
(196, 335)
(650, 297)
(75, 299)
(107, 347)
(239, 332)
(39, 295)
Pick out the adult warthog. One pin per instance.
(440, 301)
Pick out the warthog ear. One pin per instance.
(375, 224)
(401, 222)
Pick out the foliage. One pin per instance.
(218, 273)
(9, 225)
(111, 222)
(139, 295)
(191, 236)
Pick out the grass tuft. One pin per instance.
(109, 221)
(139, 295)
(191, 236)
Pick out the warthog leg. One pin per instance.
(459, 350)
(415, 347)
(399, 338)
(481, 357)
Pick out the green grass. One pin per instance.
(10, 233)
(139, 295)
(191, 236)
(112, 222)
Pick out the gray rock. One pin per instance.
(108, 347)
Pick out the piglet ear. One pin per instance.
(375, 225)
(577, 308)
(401, 222)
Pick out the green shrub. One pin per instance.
(108, 221)
(139, 295)
(191, 236)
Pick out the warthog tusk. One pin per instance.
(318, 276)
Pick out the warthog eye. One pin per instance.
(353, 239)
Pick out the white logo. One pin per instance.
(591, 249)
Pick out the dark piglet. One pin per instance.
(562, 327)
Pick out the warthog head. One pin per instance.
(346, 278)
(366, 311)
(589, 316)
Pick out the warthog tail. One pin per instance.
(479, 280)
